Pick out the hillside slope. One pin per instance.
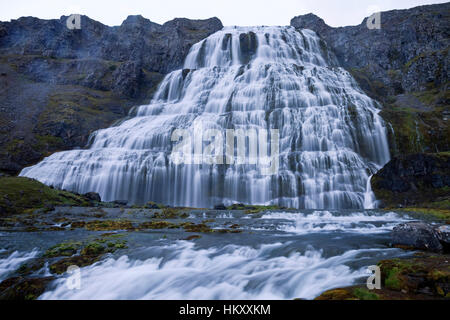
(57, 85)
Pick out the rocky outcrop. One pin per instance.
(154, 47)
(422, 236)
(57, 85)
(423, 277)
(406, 54)
(414, 180)
(404, 65)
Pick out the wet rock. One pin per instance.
(31, 266)
(194, 237)
(62, 265)
(20, 288)
(93, 196)
(248, 44)
(421, 236)
(121, 203)
(443, 234)
(64, 249)
(220, 207)
(152, 205)
(423, 277)
(108, 225)
(158, 225)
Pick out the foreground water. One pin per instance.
(278, 255)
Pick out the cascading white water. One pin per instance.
(331, 137)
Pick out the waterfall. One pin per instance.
(331, 138)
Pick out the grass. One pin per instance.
(442, 214)
(18, 194)
(363, 294)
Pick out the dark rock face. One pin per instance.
(57, 85)
(414, 179)
(419, 235)
(414, 42)
(406, 60)
(157, 48)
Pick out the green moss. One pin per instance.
(340, 294)
(64, 249)
(393, 280)
(93, 249)
(250, 209)
(363, 294)
(18, 194)
(48, 142)
(89, 254)
(443, 214)
(62, 265)
(19, 288)
(158, 225)
(168, 213)
(108, 225)
(201, 228)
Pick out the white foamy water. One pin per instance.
(293, 266)
(251, 78)
(326, 221)
(232, 272)
(13, 261)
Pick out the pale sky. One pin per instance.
(230, 12)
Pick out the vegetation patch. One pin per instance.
(18, 194)
(67, 249)
(158, 225)
(108, 225)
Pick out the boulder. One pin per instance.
(422, 236)
(120, 202)
(443, 234)
(93, 196)
(220, 207)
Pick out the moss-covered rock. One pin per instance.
(158, 225)
(90, 253)
(80, 261)
(108, 225)
(424, 274)
(18, 195)
(192, 227)
(20, 288)
(67, 249)
(424, 277)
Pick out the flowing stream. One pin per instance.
(278, 255)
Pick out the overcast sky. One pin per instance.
(231, 12)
